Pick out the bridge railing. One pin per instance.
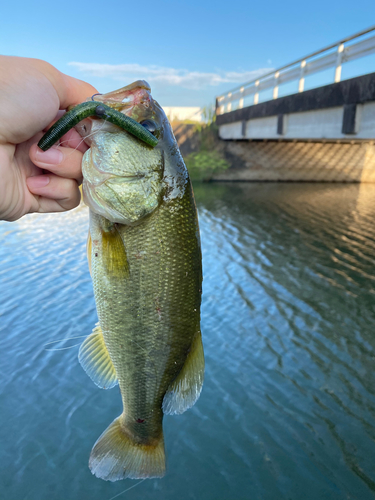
(300, 69)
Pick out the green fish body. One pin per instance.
(145, 259)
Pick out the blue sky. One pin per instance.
(188, 51)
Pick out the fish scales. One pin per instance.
(153, 314)
(145, 261)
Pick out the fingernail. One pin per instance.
(51, 157)
(38, 181)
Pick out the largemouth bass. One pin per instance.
(145, 261)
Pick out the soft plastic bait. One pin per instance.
(92, 108)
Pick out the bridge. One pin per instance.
(324, 133)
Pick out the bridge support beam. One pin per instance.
(343, 110)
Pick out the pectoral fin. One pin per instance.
(186, 388)
(88, 250)
(114, 253)
(94, 358)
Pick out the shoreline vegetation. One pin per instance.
(200, 147)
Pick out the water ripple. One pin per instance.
(288, 317)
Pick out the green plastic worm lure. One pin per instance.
(92, 108)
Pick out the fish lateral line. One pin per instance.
(92, 108)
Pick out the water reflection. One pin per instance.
(288, 405)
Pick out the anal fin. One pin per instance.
(186, 388)
(95, 360)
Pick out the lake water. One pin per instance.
(288, 319)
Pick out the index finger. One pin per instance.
(73, 140)
(70, 90)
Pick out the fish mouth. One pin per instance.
(124, 99)
(133, 100)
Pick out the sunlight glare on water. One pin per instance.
(288, 321)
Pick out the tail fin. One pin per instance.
(115, 456)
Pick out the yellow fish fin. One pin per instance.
(94, 358)
(116, 456)
(187, 386)
(114, 253)
(88, 250)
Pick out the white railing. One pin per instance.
(300, 69)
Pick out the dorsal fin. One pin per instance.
(95, 360)
(187, 386)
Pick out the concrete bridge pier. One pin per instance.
(323, 134)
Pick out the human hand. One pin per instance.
(31, 94)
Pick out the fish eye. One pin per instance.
(150, 126)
